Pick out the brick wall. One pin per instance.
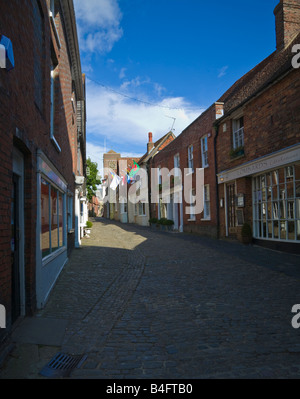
(26, 126)
(271, 122)
(192, 135)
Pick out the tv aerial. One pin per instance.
(174, 120)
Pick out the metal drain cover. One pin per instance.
(61, 365)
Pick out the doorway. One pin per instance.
(231, 201)
(17, 238)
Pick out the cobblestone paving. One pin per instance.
(144, 304)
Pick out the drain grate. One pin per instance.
(61, 365)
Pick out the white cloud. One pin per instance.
(98, 24)
(223, 71)
(122, 73)
(126, 123)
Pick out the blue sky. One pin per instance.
(148, 61)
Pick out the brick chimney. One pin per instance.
(287, 20)
(150, 144)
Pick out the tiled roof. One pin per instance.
(156, 147)
(268, 71)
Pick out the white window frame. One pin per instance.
(192, 217)
(70, 213)
(204, 151)
(206, 202)
(191, 159)
(52, 19)
(142, 209)
(237, 133)
(176, 164)
(123, 207)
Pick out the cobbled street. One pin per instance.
(146, 304)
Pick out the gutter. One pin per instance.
(72, 38)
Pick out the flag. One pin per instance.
(115, 182)
(134, 170)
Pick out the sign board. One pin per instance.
(263, 164)
(240, 200)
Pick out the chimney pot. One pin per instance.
(150, 144)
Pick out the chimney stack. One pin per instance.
(150, 144)
(287, 20)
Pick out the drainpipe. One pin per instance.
(216, 126)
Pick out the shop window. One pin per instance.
(52, 216)
(277, 214)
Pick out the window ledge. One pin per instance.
(206, 220)
(55, 143)
(54, 29)
(191, 220)
(235, 158)
(54, 255)
(190, 173)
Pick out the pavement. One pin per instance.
(143, 304)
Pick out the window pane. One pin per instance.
(45, 239)
(298, 189)
(281, 176)
(283, 230)
(298, 208)
(291, 231)
(54, 219)
(270, 228)
(297, 172)
(61, 230)
(290, 190)
(276, 229)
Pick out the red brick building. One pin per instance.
(258, 144)
(193, 149)
(248, 144)
(42, 156)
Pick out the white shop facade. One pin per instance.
(273, 182)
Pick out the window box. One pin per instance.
(237, 152)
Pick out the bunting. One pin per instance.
(127, 177)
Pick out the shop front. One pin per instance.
(266, 194)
